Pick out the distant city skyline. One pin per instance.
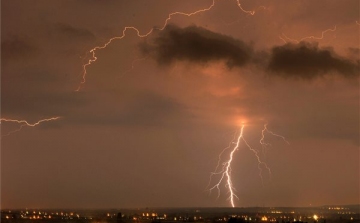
(347, 213)
(131, 104)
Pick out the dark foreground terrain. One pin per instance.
(323, 214)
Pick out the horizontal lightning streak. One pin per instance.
(288, 39)
(24, 123)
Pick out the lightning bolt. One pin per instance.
(133, 64)
(245, 11)
(24, 123)
(272, 133)
(92, 52)
(93, 58)
(262, 140)
(225, 172)
(288, 39)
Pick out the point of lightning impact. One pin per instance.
(225, 171)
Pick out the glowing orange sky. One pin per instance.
(146, 132)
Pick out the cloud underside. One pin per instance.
(200, 46)
(197, 45)
(307, 61)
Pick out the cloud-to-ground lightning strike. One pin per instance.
(93, 57)
(225, 172)
(287, 39)
(24, 123)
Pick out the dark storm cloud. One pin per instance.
(308, 61)
(17, 48)
(196, 44)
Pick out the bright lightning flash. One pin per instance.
(225, 172)
(24, 123)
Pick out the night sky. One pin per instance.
(147, 126)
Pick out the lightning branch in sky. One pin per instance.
(265, 144)
(225, 171)
(287, 39)
(93, 57)
(92, 52)
(245, 11)
(133, 64)
(24, 123)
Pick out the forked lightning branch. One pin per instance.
(224, 170)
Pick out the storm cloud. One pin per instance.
(18, 47)
(307, 61)
(197, 45)
(169, 113)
